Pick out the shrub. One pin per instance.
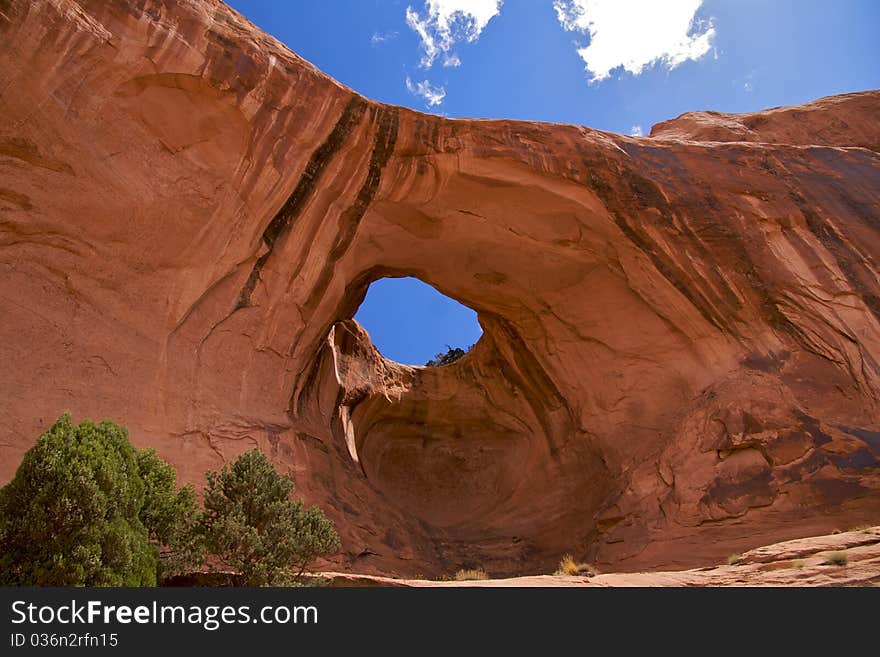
(451, 355)
(171, 516)
(71, 515)
(253, 527)
(471, 574)
(734, 559)
(836, 559)
(568, 566)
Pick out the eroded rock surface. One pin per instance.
(681, 332)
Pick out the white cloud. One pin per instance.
(748, 87)
(447, 22)
(636, 33)
(379, 38)
(429, 45)
(432, 95)
(635, 131)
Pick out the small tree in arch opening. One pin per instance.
(451, 355)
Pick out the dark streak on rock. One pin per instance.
(665, 266)
(802, 469)
(859, 459)
(643, 193)
(847, 257)
(769, 362)
(812, 427)
(283, 219)
(757, 489)
(386, 120)
(837, 491)
(870, 437)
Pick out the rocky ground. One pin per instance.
(850, 558)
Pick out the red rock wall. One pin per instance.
(681, 333)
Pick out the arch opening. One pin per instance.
(412, 323)
(446, 448)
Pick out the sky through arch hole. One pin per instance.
(411, 322)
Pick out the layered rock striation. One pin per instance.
(681, 333)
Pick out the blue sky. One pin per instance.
(411, 322)
(617, 65)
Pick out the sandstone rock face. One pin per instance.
(681, 332)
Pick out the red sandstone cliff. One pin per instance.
(681, 332)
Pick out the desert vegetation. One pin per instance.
(252, 527)
(571, 568)
(838, 558)
(470, 574)
(451, 355)
(86, 508)
(74, 513)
